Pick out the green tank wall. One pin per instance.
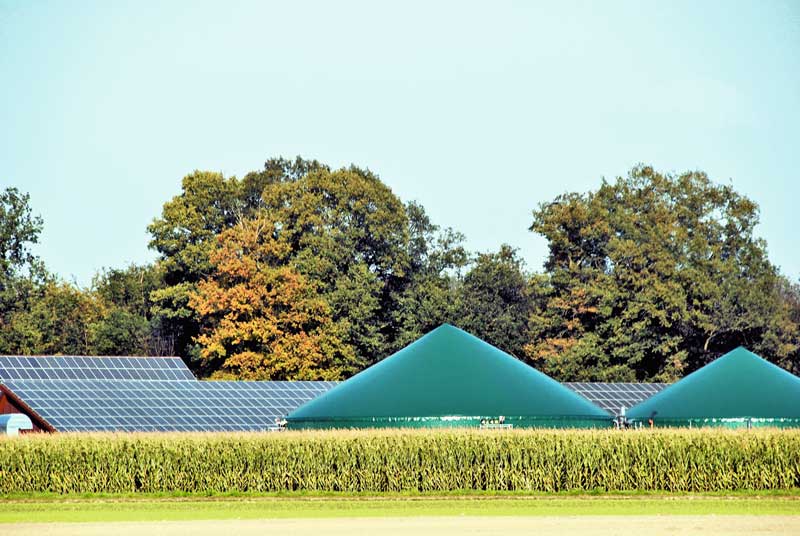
(450, 422)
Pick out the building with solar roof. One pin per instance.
(72, 393)
(740, 389)
(449, 378)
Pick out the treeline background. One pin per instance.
(301, 271)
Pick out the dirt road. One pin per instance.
(438, 526)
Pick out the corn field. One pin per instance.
(391, 461)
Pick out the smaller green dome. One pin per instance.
(448, 378)
(739, 386)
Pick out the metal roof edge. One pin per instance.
(39, 421)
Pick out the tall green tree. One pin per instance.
(789, 332)
(19, 229)
(208, 204)
(348, 233)
(651, 277)
(496, 300)
(22, 274)
(428, 293)
(128, 325)
(384, 270)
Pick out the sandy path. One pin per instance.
(438, 526)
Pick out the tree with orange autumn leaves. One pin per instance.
(262, 319)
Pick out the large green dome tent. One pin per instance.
(740, 389)
(449, 378)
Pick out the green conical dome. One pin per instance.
(738, 389)
(448, 378)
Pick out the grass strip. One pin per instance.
(109, 510)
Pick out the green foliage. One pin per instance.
(376, 263)
(19, 228)
(496, 301)
(789, 303)
(21, 273)
(191, 221)
(647, 278)
(392, 461)
(208, 204)
(183, 235)
(276, 171)
(652, 277)
(347, 232)
(428, 296)
(121, 332)
(128, 324)
(130, 288)
(57, 320)
(40, 314)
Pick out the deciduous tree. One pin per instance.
(184, 235)
(348, 233)
(261, 318)
(651, 277)
(495, 300)
(428, 294)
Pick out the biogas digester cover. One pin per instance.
(449, 378)
(738, 389)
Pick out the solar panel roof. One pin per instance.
(613, 396)
(76, 393)
(93, 368)
(159, 405)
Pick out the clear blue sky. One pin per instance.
(478, 110)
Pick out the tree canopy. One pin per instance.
(302, 271)
(651, 277)
(496, 300)
(261, 318)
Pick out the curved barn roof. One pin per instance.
(738, 385)
(445, 378)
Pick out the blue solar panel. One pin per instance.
(612, 396)
(136, 405)
(93, 368)
(75, 393)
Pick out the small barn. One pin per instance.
(739, 389)
(449, 378)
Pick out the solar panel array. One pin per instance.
(161, 405)
(613, 396)
(93, 368)
(76, 393)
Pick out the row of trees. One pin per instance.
(41, 314)
(300, 271)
